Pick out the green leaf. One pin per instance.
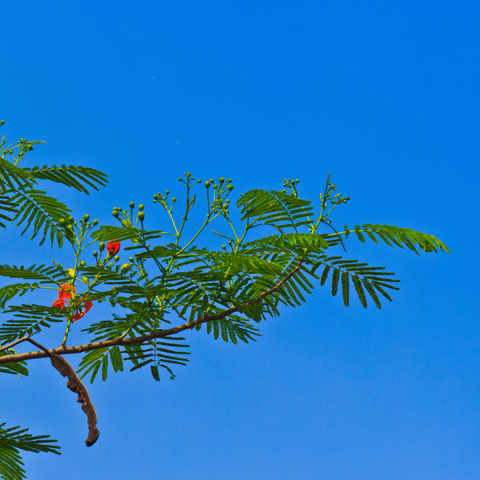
(14, 439)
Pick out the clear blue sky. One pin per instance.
(382, 94)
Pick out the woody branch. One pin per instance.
(138, 340)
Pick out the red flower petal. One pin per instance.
(65, 291)
(78, 316)
(88, 306)
(113, 246)
(60, 303)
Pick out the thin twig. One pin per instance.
(16, 342)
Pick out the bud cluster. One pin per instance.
(220, 203)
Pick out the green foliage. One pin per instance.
(14, 439)
(26, 320)
(33, 208)
(13, 368)
(169, 280)
(232, 288)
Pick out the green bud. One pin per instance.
(2, 122)
(132, 205)
(62, 222)
(224, 247)
(207, 184)
(85, 279)
(131, 259)
(95, 223)
(101, 246)
(141, 216)
(179, 179)
(95, 254)
(174, 200)
(86, 217)
(167, 192)
(221, 179)
(125, 268)
(230, 187)
(70, 219)
(115, 213)
(155, 197)
(212, 180)
(140, 207)
(82, 263)
(116, 258)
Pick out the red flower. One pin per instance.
(60, 303)
(80, 314)
(65, 291)
(113, 246)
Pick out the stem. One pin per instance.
(16, 342)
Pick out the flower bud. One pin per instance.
(95, 254)
(95, 223)
(71, 272)
(230, 187)
(132, 205)
(62, 222)
(115, 213)
(85, 279)
(116, 258)
(101, 246)
(207, 184)
(82, 263)
(141, 216)
(174, 200)
(126, 268)
(140, 207)
(2, 122)
(86, 217)
(167, 192)
(70, 219)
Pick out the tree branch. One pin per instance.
(16, 342)
(144, 338)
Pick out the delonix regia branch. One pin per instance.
(170, 285)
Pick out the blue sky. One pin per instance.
(382, 94)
